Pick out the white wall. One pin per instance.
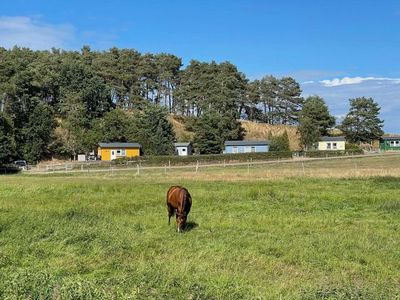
(340, 145)
(182, 151)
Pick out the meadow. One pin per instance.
(326, 230)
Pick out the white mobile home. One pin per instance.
(332, 143)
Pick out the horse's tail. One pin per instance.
(186, 202)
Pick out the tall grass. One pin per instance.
(106, 237)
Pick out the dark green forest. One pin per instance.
(60, 103)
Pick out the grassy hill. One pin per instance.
(254, 131)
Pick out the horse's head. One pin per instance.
(181, 222)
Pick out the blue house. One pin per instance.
(246, 146)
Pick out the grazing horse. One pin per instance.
(179, 202)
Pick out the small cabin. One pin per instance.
(111, 151)
(246, 146)
(327, 143)
(390, 143)
(183, 149)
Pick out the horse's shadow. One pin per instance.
(190, 226)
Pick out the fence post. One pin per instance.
(137, 169)
(224, 163)
(248, 167)
(197, 166)
(165, 169)
(302, 164)
(169, 164)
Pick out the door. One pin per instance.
(113, 155)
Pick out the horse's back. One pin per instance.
(178, 195)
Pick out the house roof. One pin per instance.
(246, 143)
(333, 139)
(120, 145)
(182, 144)
(391, 138)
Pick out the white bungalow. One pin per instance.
(332, 143)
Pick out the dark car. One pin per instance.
(21, 164)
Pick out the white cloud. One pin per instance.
(31, 32)
(308, 82)
(355, 80)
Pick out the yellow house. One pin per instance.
(332, 143)
(110, 151)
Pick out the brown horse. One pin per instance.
(179, 202)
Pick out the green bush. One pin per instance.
(350, 146)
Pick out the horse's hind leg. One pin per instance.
(171, 211)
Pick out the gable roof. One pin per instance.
(391, 138)
(332, 139)
(120, 145)
(187, 144)
(246, 143)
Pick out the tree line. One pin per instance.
(61, 103)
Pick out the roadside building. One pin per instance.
(183, 149)
(111, 151)
(246, 146)
(332, 143)
(390, 143)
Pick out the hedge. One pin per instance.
(214, 158)
(317, 153)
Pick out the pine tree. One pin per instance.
(114, 126)
(207, 139)
(212, 130)
(362, 123)
(315, 120)
(155, 132)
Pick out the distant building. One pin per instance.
(110, 151)
(183, 149)
(390, 143)
(332, 143)
(246, 146)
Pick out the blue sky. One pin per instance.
(337, 49)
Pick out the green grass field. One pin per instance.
(106, 237)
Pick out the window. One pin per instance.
(247, 149)
(397, 144)
(334, 145)
(235, 149)
(121, 152)
(328, 146)
(183, 149)
(253, 149)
